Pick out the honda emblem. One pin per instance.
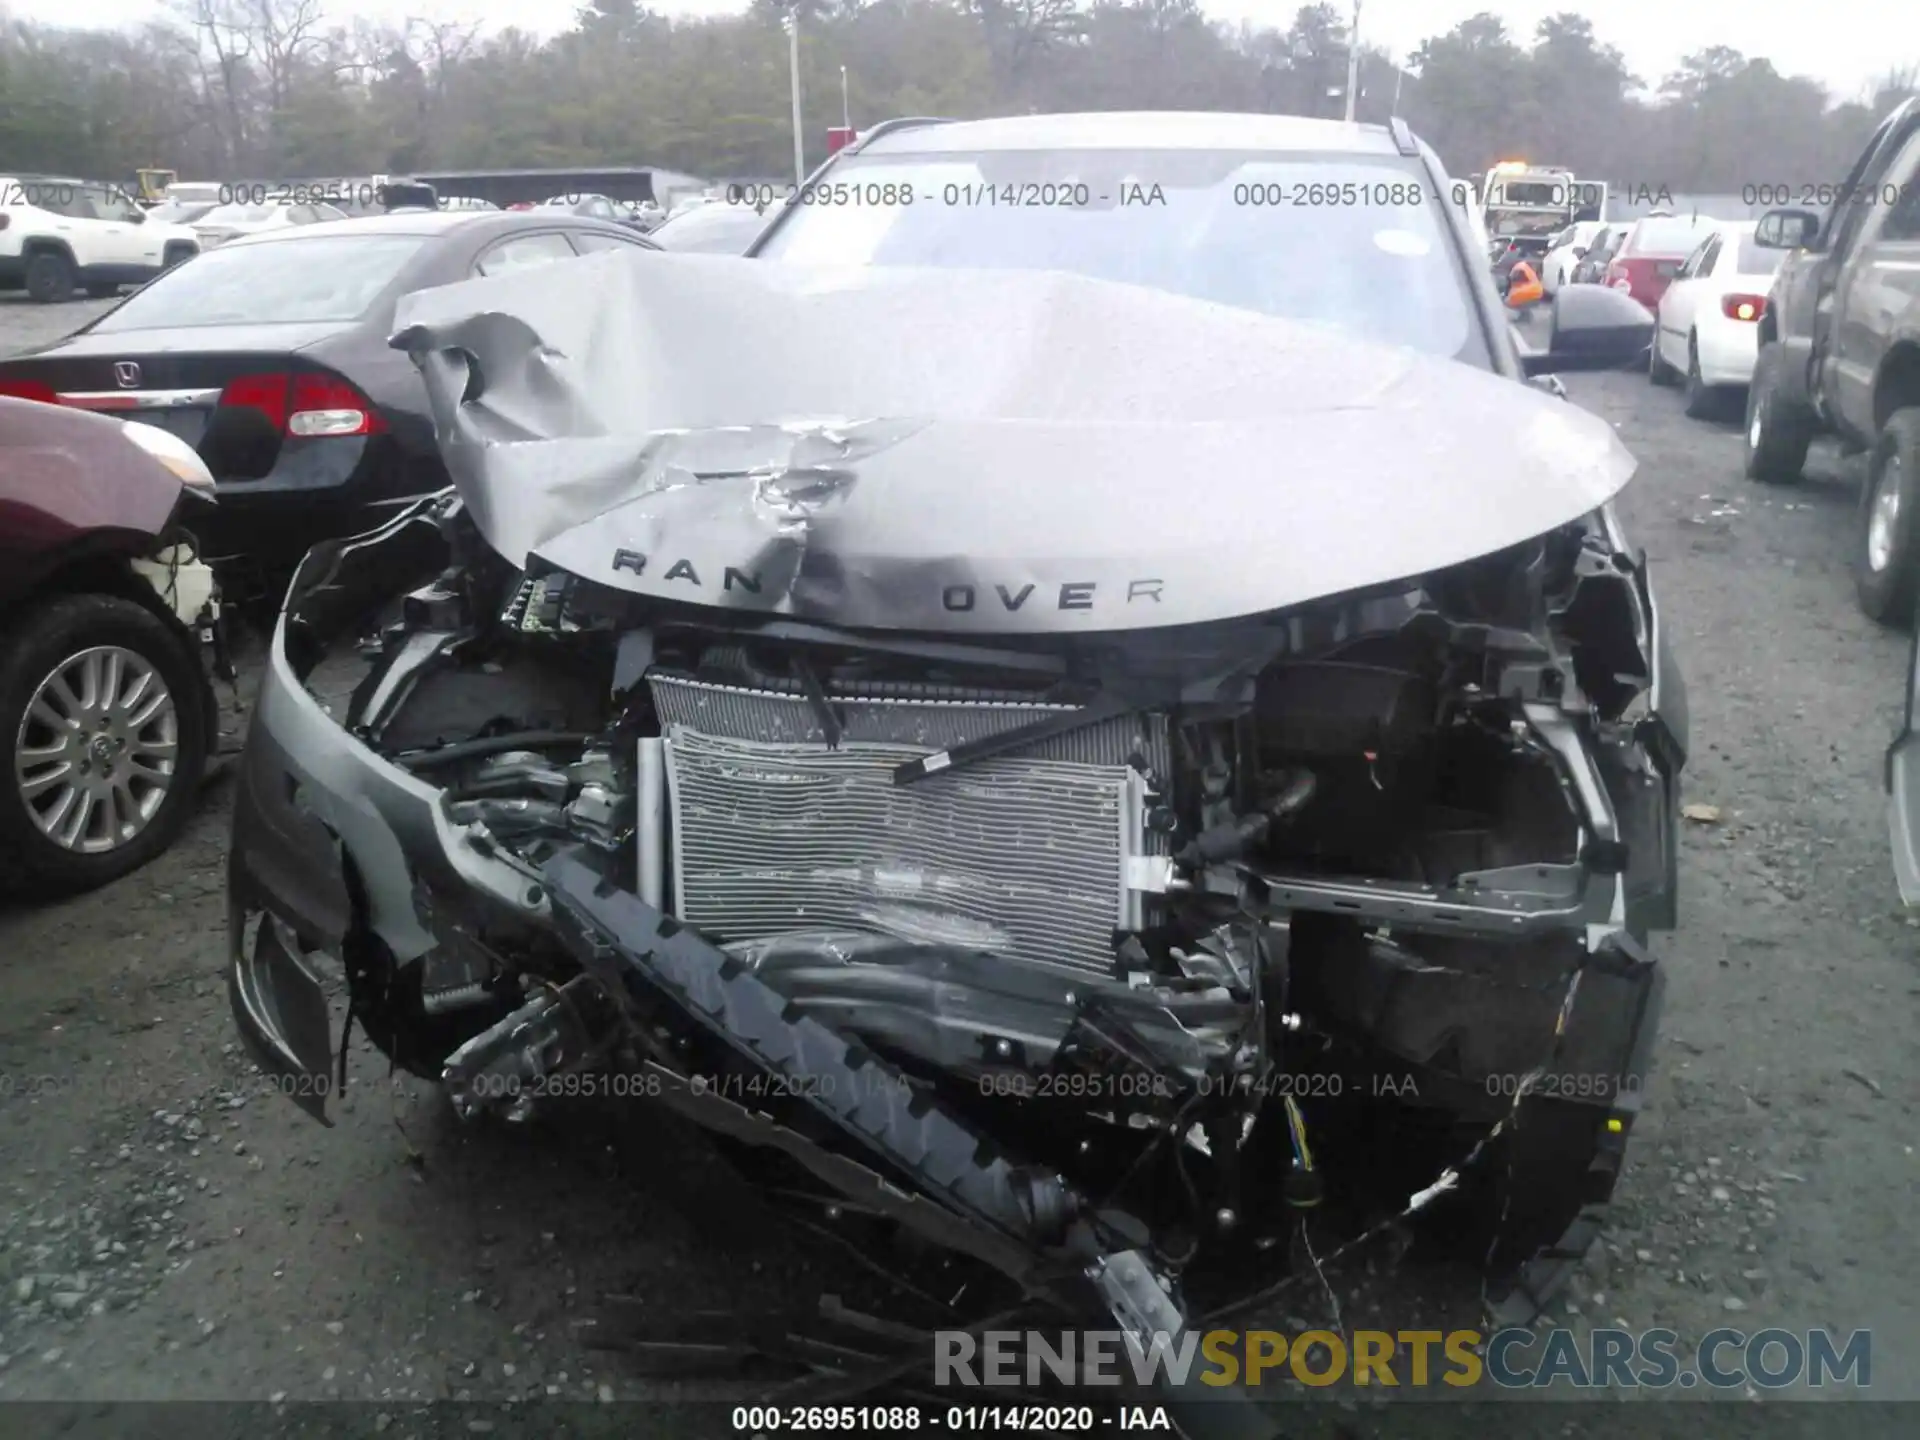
(127, 373)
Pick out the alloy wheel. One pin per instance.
(95, 754)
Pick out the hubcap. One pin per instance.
(96, 750)
(1883, 517)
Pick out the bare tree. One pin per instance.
(1019, 31)
(224, 61)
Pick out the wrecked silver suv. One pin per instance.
(1047, 799)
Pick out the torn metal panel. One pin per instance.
(971, 451)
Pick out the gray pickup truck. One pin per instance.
(1840, 353)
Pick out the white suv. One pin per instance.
(57, 235)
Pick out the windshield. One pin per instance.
(1354, 243)
(1756, 261)
(1551, 193)
(712, 230)
(293, 281)
(239, 214)
(1668, 237)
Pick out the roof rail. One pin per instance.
(1403, 140)
(899, 122)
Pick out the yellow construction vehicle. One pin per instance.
(153, 184)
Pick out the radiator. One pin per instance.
(1031, 855)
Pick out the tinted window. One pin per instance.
(1533, 192)
(1374, 260)
(56, 197)
(104, 202)
(1752, 260)
(334, 277)
(711, 230)
(527, 250)
(1667, 237)
(112, 204)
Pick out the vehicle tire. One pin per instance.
(55, 664)
(1884, 552)
(1778, 431)
(1659, 372)
(49, 277)
(1704, 401)
(102, 292)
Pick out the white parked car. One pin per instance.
(1564, 252)
(1707, 335)
(204, 193)
(58, 235)
(224, 222)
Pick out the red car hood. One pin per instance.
(69, 479)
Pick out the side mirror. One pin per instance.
(1786, 229)
(1595, 327)
(138, 217)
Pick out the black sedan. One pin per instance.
(269, 356)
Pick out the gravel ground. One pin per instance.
(173, 1230)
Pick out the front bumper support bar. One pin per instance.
(1028, 1223)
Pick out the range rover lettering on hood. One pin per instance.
(971, 451)
(1069, 595)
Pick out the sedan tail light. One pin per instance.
(30, 390)
(1743, 307)
(305, 404)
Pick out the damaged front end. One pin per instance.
(1087, 952)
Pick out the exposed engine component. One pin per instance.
(557, 1030)
(1030, 856)
(1025, 891)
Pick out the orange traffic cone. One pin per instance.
(1524, 287)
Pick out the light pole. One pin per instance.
(793, 75)
(846, 107)
(1353, 61)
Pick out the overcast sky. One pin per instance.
(1853, 41)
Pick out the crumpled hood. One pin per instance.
(974, 451)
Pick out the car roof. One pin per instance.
(1691, 222)
(416, 222)
(1133, 130)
